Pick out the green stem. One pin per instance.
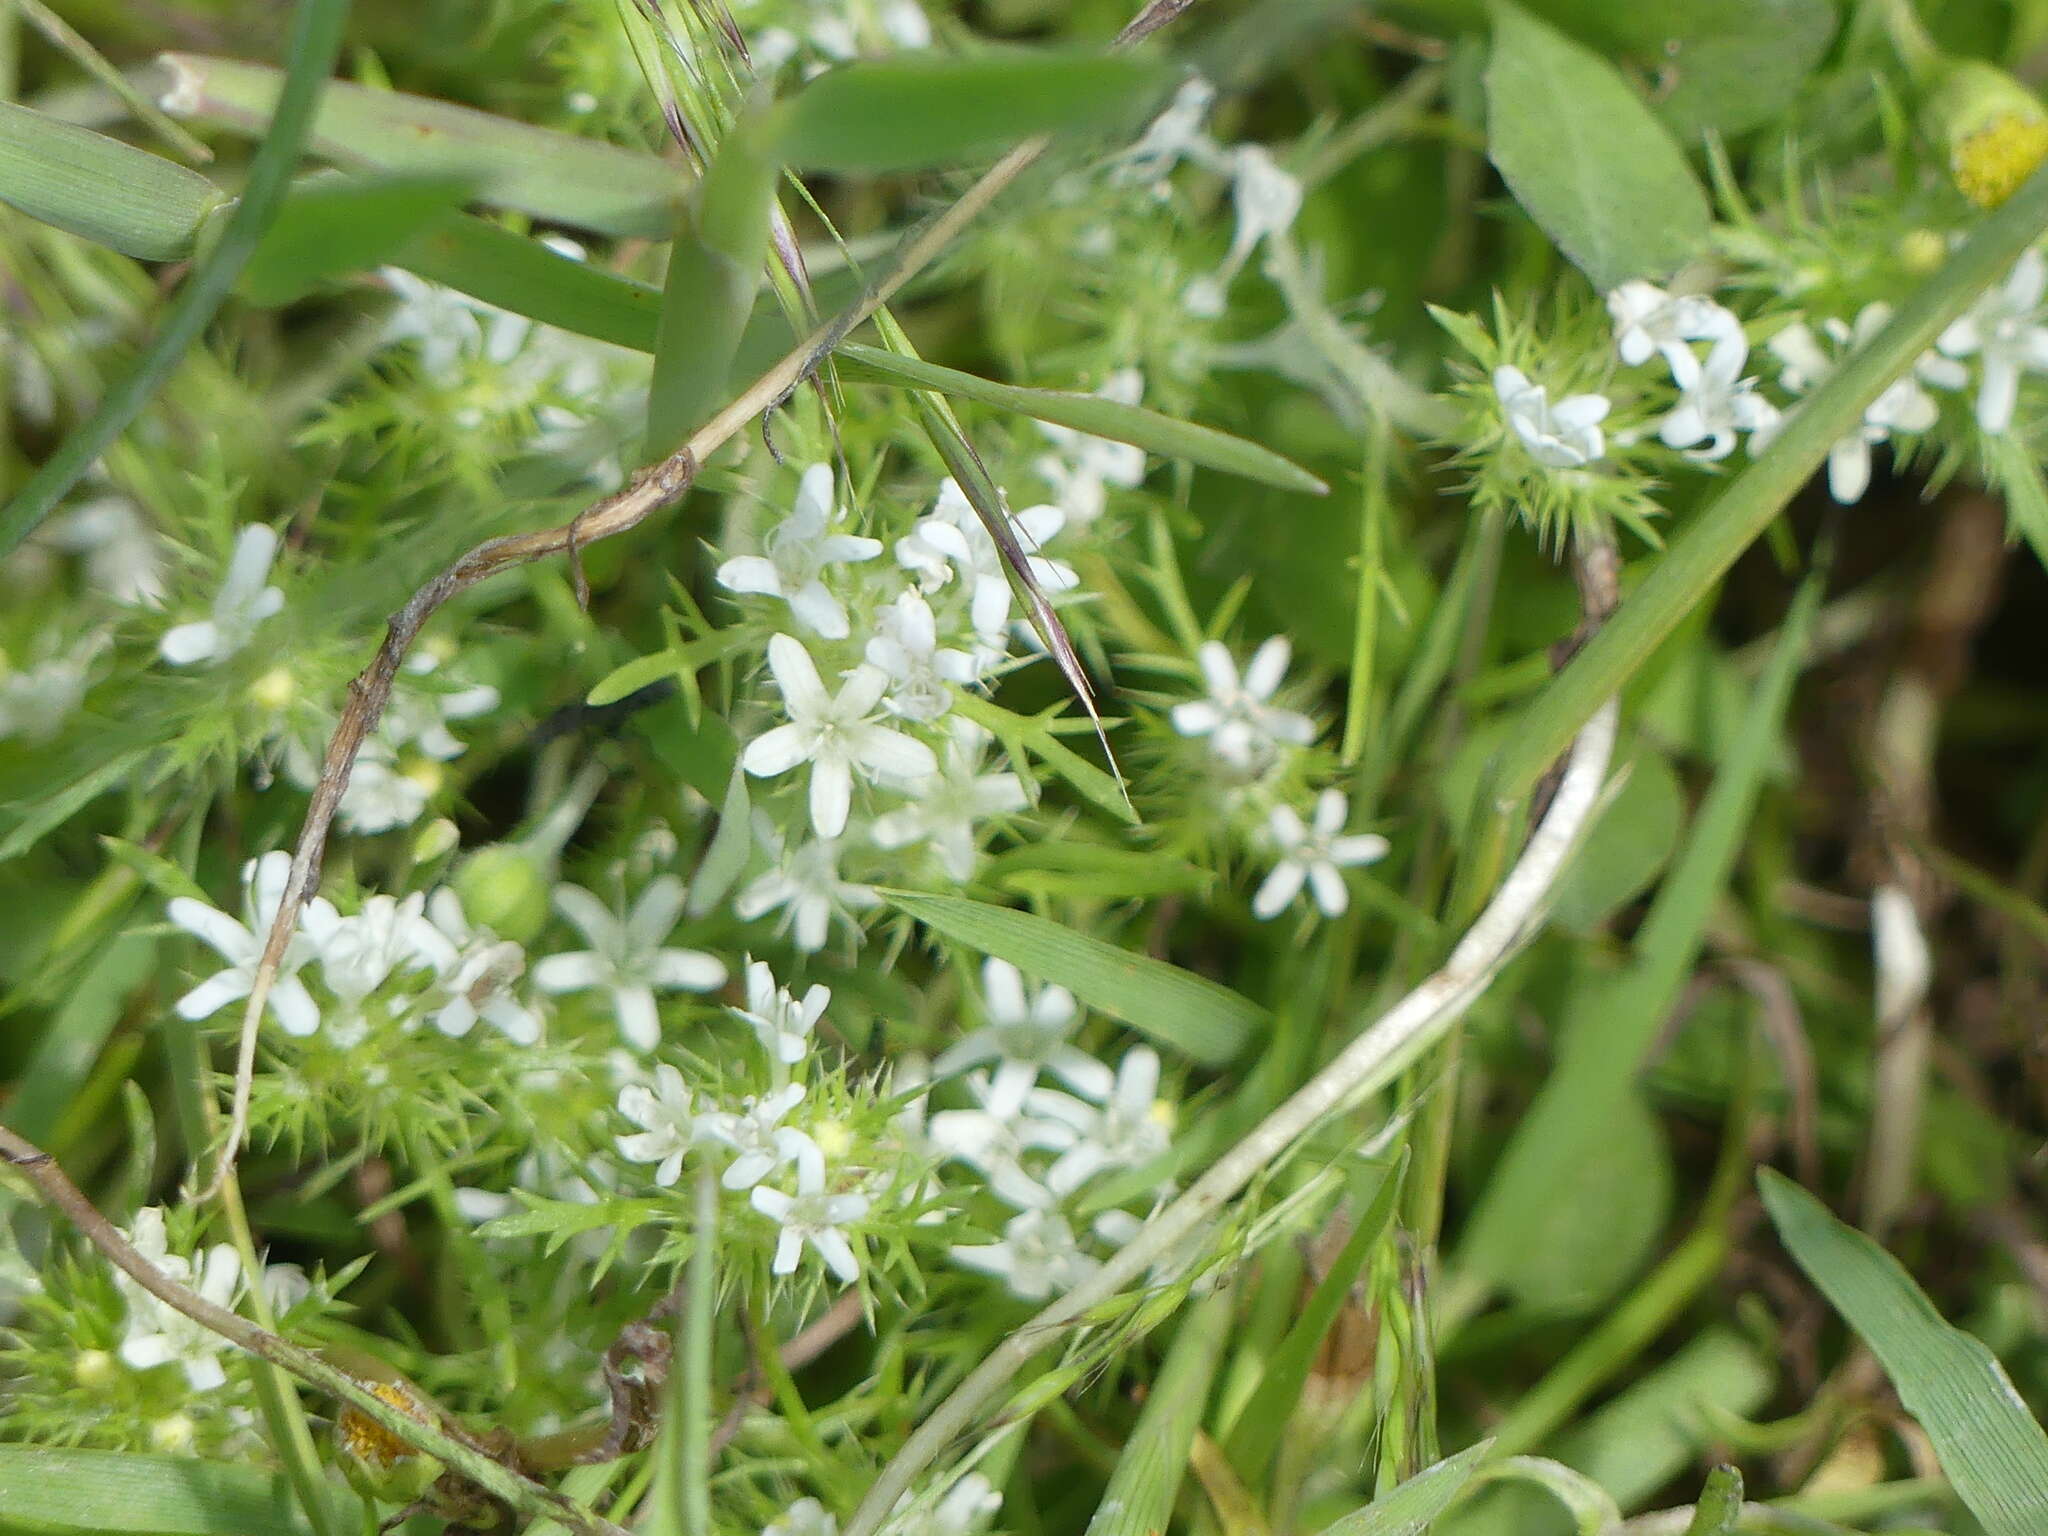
(315, 42)
(1699, 557)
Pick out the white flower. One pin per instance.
(418, 715)
(444, 323)
(1715, 401)
(1082, 468)
(626, 958)
(243, 602)
(36, 702)
(757, 1134)
(263, 882)
(783, 1025)
(1025, 1036)
(123, 556)
(666, 1115)
(2003, 329)
(1266, 200)
(951, 539)
(1174, 134)
(812, 1216)
(1127, 1131)
(834, 734)
(805, 883)
(949, 809)
(799, 549)
(1564, 436)
(1243, 726)
(1904, 407)
(380, 795)
(477, 981)
(905, 647)
(1036, 1257)
(156, 1333)
(1647, 319)
(806, 1517)
(360, 952)
(1317, 855)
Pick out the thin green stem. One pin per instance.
(1372, 516)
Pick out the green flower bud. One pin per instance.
(504, 888)
(1994, 129)
(93, 1368)
(1921, 251)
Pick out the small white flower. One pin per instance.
(1173, 135)
(782, 1024)
(380, 795)
(835, 734)
(812, 1216)
(806, 1517)
(1266, 200)
(1317, 855)
(1243, 726)
(1025, 1036)
(243, 602)
(478, 982)
(965, 1508)
(804, 882)
(1564, 436)
(951, 539)
(627, 958)
(799, 549)
(1904, 963)
(921, 672)
(2003, 330)
(1036, 1257)
(996, 1147)
(1904, 407)
(362, 951)
(1715, 401)
(666, 1115)
(949, 809)
(1127, 1131)
(156, 1333)
(37, 702)
(1647, 319)
(756, 1133)
(123, 555)
(241, 945)
(1082, 468)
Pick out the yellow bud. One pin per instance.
(1165, 1115)
(426, 773)
(93, 1368)
(833, 1138)
(377, 1462)
(274, 689)
(1921, 251)
(1995, 129)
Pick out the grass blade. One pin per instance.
(478, 258)
(1111, 419)
(1140, 1496)
(107, 1491)
(111, 193)
(1408, 1509)
(1177, 1008)
(315, 42)
(1995, 1455)
(333, 225)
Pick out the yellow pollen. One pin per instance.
(1991, 163)
(365, 1439)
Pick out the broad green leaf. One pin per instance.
(1731, 64)
(111, 193)
(554, 176)
(1995, 1455)
(109, 1491)
(332, 225)
(1175, 1007)
(1092, 414)
(1408, 1509)
(1626, 847)
(1585, 157)
(921, 111)
(478, 258)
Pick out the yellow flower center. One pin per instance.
(368, 1441)
(1991, 163)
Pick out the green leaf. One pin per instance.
(1995, 1455)
(523, 276)
(1719, 1506)
(1626, 847)
(920, 111)
(1092, 414)
(2017, 473)
(1591, 1507)
(1731, 64)
(630, 678)
(554, 176)
(1408, 1509)
(108, 1491)
(111, 193)
(1175, 1007)
(1154, 1460)
(331, 226)
(1585, 157)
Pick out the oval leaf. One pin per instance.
(1585, 157)
(111, 193)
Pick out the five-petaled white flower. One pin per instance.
(1647, 319)
(950, 807)
(1266, 200)
(756, 1133)
(1904, 407)
(666, 1115)
(244, 601)
(1126, 1130)
(360, 952)
(812, 1216)
(241, 945)
(1714, 400)
(1025, 1036)
(836, 735)
(1562, 436)
(799, 548)
(1316, 854)
(804, 882)
(2003, 330)
(1244, 727)
(781, 1023)
(477, 980)
(951, 538)
(626, 957)
(158, 1334)
(905, 646)
(1036, 1257)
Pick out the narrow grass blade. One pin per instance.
(922, 111)
(1408, 1509)
(1688, 570)
(1175, 1007)
(314, 43)
(1591, 1507)
(1133, 424)
(1995, 1455)
(1140, 1496)
(1266, 1416)
(106, 1491)
(332, 226)
(478, 258)
(550, 175)
(111, 193)
(63, 36)
(1720, 1504)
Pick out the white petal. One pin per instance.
(228, 938)
(1219, 670)
(1849, 470)
(572, 972)
(1329, 889)
(778, 750)
(750, 574)
(297, 1013)
(820, 610)
(831, 796)
(213, 994)
(187, 643)
(894, 755)
(1364, 848)
(837, 1253)
(1268, 667)
(639, 1020)
(797, 676)
(590, 915)
(1279, 889)
(688, 969)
